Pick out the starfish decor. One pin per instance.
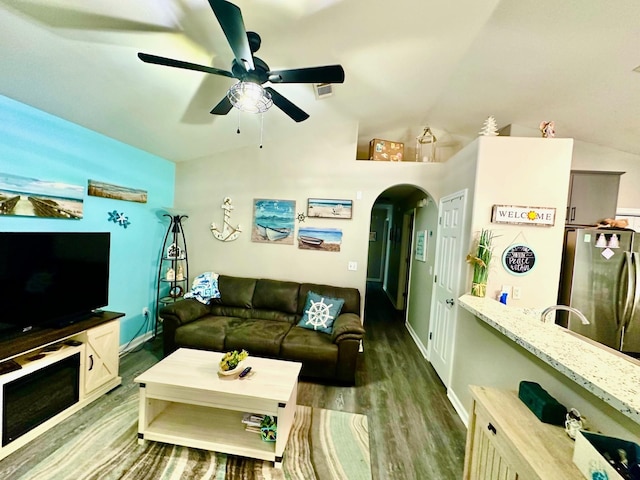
(119, 218)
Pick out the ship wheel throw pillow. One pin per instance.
(320, 312)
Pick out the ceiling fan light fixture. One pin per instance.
(250, 97)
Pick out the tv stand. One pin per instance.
(81, 359)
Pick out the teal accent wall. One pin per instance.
(38, 145)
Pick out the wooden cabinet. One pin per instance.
(506, 441)
(61, 371)
(101, 355)
(593, 196)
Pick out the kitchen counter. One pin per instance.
(605, 373)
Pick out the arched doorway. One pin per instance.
(392, 266)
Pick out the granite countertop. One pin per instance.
(607, 374)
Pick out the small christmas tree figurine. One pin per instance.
(490, 127)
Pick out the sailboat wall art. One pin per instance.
(317, 238)
(329, 208)
(273, 221)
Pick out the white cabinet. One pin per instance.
(61, 371)
(506, 441)
(593, 196)
(101, 355)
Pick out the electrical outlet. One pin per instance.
(517, 292)
(145, 311)
(353, 266)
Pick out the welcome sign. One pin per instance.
(540, 216)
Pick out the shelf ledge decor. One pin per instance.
(228, 232)
(481, 261)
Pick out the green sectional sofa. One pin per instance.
(262, 316)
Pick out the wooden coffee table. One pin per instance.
(183, 401)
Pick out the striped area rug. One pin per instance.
(323, 444)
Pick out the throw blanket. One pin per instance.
(204, 288)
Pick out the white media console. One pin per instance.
(62, 370)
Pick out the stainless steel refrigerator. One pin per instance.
(601, 277)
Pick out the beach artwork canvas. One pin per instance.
(31, 197)
(108, 190)
(273, 221)
(329, 208)
(316, 238)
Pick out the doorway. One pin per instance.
(447, 285)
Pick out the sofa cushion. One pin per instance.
(225, 311)
(306, 345)
(258, 337)
(236, 291)
(276, 295)
(206, 333)
(320, 312)
(351, 296)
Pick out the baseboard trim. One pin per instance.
(136, 342)
(459, 408)
(417, 341)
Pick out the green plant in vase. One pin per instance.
(481, 260)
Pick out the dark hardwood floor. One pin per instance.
(414, 431)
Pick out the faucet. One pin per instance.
(550, 309)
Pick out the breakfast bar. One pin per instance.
(560, 360)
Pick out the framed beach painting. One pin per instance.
(109, 190)
(329, 208)
(32, 197)
(323, 239)
(273, 221)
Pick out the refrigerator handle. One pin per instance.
(628, 269)
(636, 289)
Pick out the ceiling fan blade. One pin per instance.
(326, 74)
(287, 107)
(170, 62)
(223, 107)
(230, 18)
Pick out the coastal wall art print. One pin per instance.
(108, 190)
(329, 208)
(273, 221)
(31, 197)
(317, 238)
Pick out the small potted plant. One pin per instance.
(480, 258)
(232, 361)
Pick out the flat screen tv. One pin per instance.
(50, 279)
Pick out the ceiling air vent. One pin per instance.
(323, 90)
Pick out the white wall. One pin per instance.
(526, 172)
(589, 156)
(421, 276)
(319, 162)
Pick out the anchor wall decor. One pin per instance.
(228, 233)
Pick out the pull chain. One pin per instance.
(238, 130)
(261, 127)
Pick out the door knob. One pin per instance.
(449, 301)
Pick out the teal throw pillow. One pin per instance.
(320, 312)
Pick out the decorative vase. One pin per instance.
(479, 289)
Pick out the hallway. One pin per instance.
(414, 431)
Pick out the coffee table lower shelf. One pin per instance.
(207, 428)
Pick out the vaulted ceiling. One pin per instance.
(408, 63)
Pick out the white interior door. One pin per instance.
(447, 281)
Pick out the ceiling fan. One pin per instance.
(252, 72)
